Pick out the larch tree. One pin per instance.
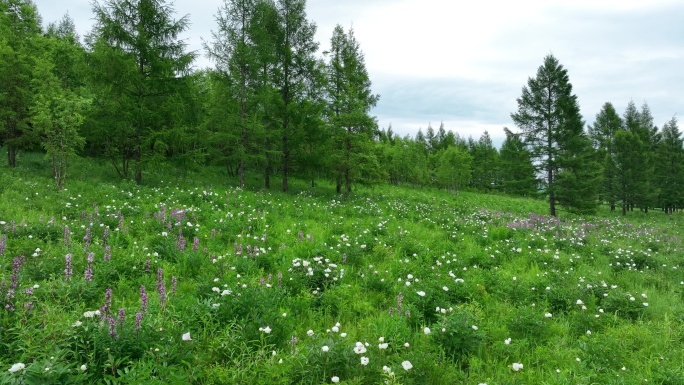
(602, 133)
(19, 36)
(139, 64)
(552, 127)
(234, 52)
(350, 102)
(516, 171)
(294, 63)
(669, 171)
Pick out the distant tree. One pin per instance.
(19, 38)
(235, 55)
(57, 114)
(669, 171)
(516, 172)
(138, 66)
(351, 99)
(431, 139)
(602, 133)
(485, 163)
(549, 116)
(441, 137)
(455, 168)
(630, 175)
(640, 123)
(294, 62)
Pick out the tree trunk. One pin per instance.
(11, 156)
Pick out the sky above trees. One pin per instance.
(440, 60)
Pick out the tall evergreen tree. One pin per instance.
(138, 65)
(548, 114)
(669, 171)
(517, 173)
(485, 163)
(631, 181)
(351, 99)
(640, 123)
(19, 38)
(602, 133)
(235, 55)
(295, 48)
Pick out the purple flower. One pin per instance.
(67, 269)
(66, 235)
(89, 270)
(138, 321)
(106, 308)
(195, 244)
(143, 299)
(161, 288)
(121, 316)
(107, 253)
(174, 284)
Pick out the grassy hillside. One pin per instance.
(190, 280)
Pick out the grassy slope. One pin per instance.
(380, 265)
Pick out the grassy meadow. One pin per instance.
(188, 279)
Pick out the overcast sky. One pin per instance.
(465, 63)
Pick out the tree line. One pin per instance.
(274, 106)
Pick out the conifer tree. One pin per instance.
(602, 133)
(19, 40)
(669, 175)
(138, 65)
(549, 116)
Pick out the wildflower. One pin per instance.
(186, 337)
(310, 333)
(17, 367)
(406, 344)
(359, 348)
(645, 304)
(335, 329)
(265, 330)
(406, 365)
(421, 293)
(364, 361)
(548, 315)
(474, 327)
(343, 335)
(84, 368)
(77, 324)
(325, 349)
(517, 366)
(426, 330)
(383, 345)
(335, 379)
(579, 302)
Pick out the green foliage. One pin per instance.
(548, 113)
(455, 168)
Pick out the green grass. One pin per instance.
(570, 295)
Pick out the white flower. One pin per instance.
(77, 324)
(579, 302)
(84, 368)
(426, 330)
(406, 344)
(284, 314)
(17, 367)
(588, 332)
(335, 329)
(383, 345)
(548, 315)
(645, 303)
(91, 314)
(517, 366)
(335, 379)
(325, 348)
(310, 333)
(364, 361)
(265, 330)
(507, 341)
(406, 365)
(474, 327)
(359, 348)
(186, 337)
(343, 335)
(445, 288)
(421, 293)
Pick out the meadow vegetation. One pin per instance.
(188, 279)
